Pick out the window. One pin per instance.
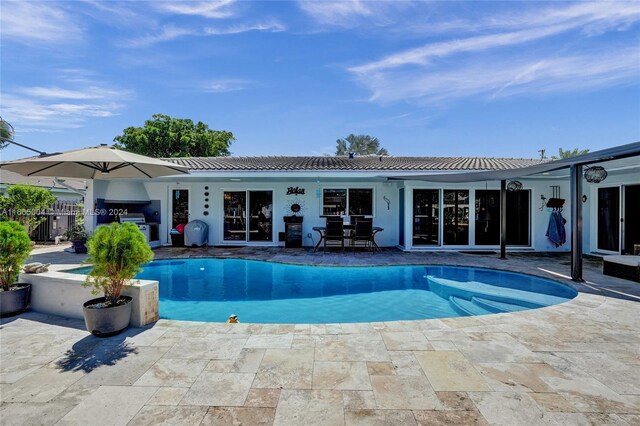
(361, 201)
(334, 202)
(354, 201)
(426, 216)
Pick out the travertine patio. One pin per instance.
(575, 363)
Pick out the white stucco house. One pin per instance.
(423, 203)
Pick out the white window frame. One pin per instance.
(346, 213)
(246, 241)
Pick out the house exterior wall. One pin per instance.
(539, 214)
(590, 207)
(385, 215)
(311, 203)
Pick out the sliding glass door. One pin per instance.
(518, 218)
(261, 219)
(455, 212)
(235, 215)
(609, 219)
(631, 218)
(248, 216)
(487, 224)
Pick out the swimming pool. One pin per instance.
(209, 289)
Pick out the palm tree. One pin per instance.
(359, 144)
(569, 153)
(6, 133)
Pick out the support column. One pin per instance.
(576, 222)
(503, 219)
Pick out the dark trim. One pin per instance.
(141, 171)
(183, 171)
(503, 219)
(44, 168)
(576, 222)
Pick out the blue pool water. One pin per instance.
(264, 292)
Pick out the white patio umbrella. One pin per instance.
(101, 162)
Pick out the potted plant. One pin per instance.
(78, 237)
(15, 247)
(116, 253)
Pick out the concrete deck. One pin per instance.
(574, 363)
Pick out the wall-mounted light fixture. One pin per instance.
(595, 174)
(514, 185)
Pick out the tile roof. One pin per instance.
(359, 163)
(11, 178)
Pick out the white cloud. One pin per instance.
(92, 92)
(335, 12)
(170, 32)
(216, 9)
(487, 65)
(56, 107)
(351, 13)
(506, 77)
(225, 85)
(272, 27)
(38, 22)
(423, 55)
(594, 16)
(166, 33)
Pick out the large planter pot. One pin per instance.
(104, 322)
(79, 246)
(16, 300)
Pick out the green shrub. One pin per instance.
(76, 233)
(15, 247)
(26, 203)
(116, 252)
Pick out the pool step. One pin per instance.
(496, 306)
(466, 307)
(446, 288)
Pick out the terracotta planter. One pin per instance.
(16, 300)
(104, 322)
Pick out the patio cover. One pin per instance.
(101, 162)
(575, 165)
(623, 151)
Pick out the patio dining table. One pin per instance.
(322, 229)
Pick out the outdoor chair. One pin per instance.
(334, 232)
(355, 218)
(363, 233)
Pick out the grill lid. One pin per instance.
(133, 218)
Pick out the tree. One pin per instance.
(164, 136)
(359, 144)
(25, 204)
(6, 133)
(569, 153)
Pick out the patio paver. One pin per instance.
(574, 363)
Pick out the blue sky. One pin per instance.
(289, 78)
